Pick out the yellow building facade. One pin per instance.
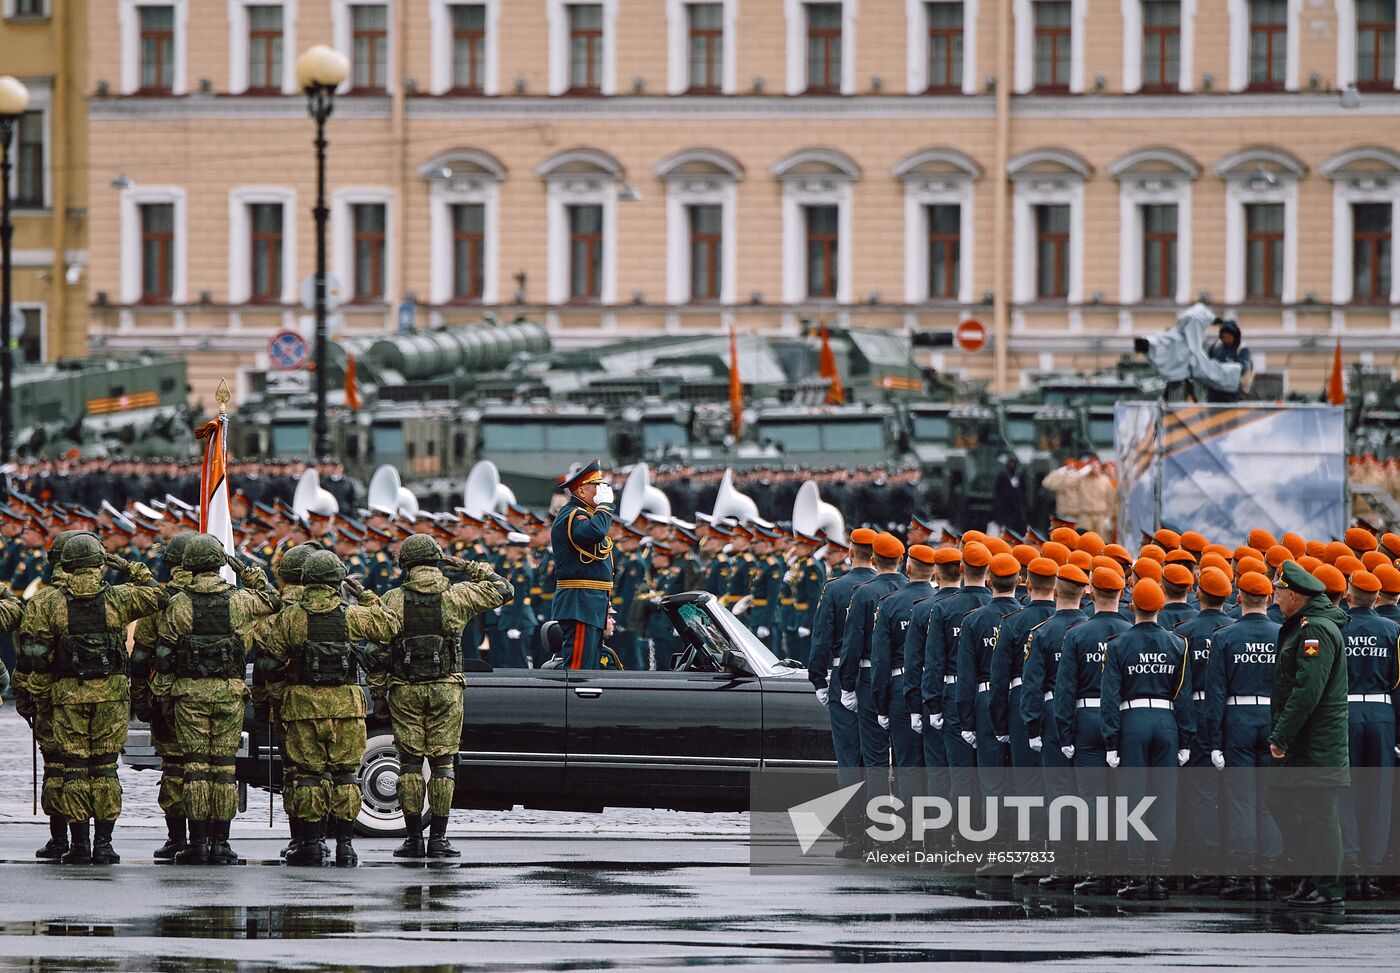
(1068, 172)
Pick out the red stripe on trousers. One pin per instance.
(579, 635)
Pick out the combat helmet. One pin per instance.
(82, 551)
(323, 567)
(60, 541)
(293, 560)
(174, 548)
(203, 553)
(419, 549)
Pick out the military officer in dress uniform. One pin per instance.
(517, 622)
(806, 578)
(378, 563)
(583, 570)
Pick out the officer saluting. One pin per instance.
(583, 565)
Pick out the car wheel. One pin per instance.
(380, 814)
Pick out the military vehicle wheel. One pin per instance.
(380, 814)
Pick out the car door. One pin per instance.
(513, 740)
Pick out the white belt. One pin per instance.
(1145, 703)
(949, 680)
(897, 672)
(1089, 702)
(1367, 698)
(1199, 695)
(983, 687)
(865, 663)
(1015, 682)
(1049, 696)
(1247, 701)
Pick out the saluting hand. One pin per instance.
(1278, 752)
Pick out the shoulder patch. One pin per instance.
(1310, 647)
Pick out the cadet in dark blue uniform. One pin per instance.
(1178, 584)
(583, 566)
(1235, 728)
(1200, 793)
(1004, 704)
(887, 655)
(1044, 645)
(940, 676)
(1148, 721)
(1389, 577)
(1078, 725)
(1372, 645)
(855, 667)
(976, 647)
(948, 574)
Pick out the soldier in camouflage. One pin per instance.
(311, 676)
(75, 640)
(199, 676)
(420, 672)
(158, 717)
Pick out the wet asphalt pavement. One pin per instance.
(622, 890)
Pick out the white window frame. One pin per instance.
(1238, 11)
(795, 12)
(1240, 190)
(1132, 46)
(129, 20)
(41, 101)
(478, 185)
(240, 240)
(683, 190)
(342, 231)
(238, 44)
(678, 46)
(1346, 46)
(10, 13)
(342, 30)
(922, 190)
(565, 189)
(1035, 188)
(43, 310)
(440, 24)
(835, 188)
(1023, 12)
(1139, 187)
(916, 19)
(132, 199)
(1350, 187)
(558, 19)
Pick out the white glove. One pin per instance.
(512, 633)
(1035, 744)
(969, 738)
(823, 695)
(1111, 758)
(1218, 759)
(849, 701)
(937, 720)
(761, 631)
(496, 610)
(1068, 752)
(802, 633)
(1182, 756)
(603, 494)
(916, 722)
(1003, 739)
(884, 722)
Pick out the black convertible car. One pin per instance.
(551, 738)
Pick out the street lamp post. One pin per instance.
(320, 70)
(14, 99)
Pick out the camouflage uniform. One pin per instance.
(420, 673)
(76, 637)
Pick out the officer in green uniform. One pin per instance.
(311, 671)
(658, 634)
(767, 591)
(809, 577)
(542, 591)
(1309, 732)
(420, 673)
(583, 555)
(75, 640)
(633, 566)
(378, 565)
(716, 580)
(199, 667)
(516, 621)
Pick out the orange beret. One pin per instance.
(1148, 596)
(1348, 565)
(1276, 555)
(863, 536)
(1242, 552)
(1177, 574)
(1295, 544)
(1214, 582)
(1315, 549)
(1169, 539)
(1213, 561)
(887, 545)
(1055, 551)
(997, 546)
(1220, 549)
(1005, 566)
(1334, 550)
(1119, 553)
(1391, 543)
(1107, 579)
(1194, 542)
(1252, 564)
(1145, 567)
(1109, 563)
(921, 553)
(1154, 552)
(1360, 539)
(1254, 583)
(947, 555)
(1309, 563)
(1180, 557)
(1043, 567)
(1024, 553)
(973, 537)
(1261, 540)
(1333, 580)
(976, 555)
(1365, 581)
(1091, 542)
(1081, 560)
(1073, 573)
(1373, 559)
(1067, 536)
(1389, 577)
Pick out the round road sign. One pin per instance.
(286, 350)
(971, 335)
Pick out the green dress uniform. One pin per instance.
(810, 579)
(583, 554)
(767, 594)
(516, 621)
(626, 639)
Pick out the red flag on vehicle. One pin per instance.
(1336, 387)
(835, 391)
(736, 388)
(352, 391)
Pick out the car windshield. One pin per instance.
(1020, 430)
(1101, 430)
(516, 437)
(716, 629)
(931, 428)
(655, 435)
(853, 435)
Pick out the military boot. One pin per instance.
(345, 856)
(102, 851)
(197, 849)
(296, 827)
(438, 845)
(307, 851)
(412, 846)
(175, 840)
(1238, 887)
(220, 851)
(1062, 881)
(80, 848)
(327, 830)
(1139, 887)
(58, 840)
(1157, 884)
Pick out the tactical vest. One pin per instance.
(212, 650)
(327, 658)
(423, 651)
(90, 650)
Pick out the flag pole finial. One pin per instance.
(222, 396)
